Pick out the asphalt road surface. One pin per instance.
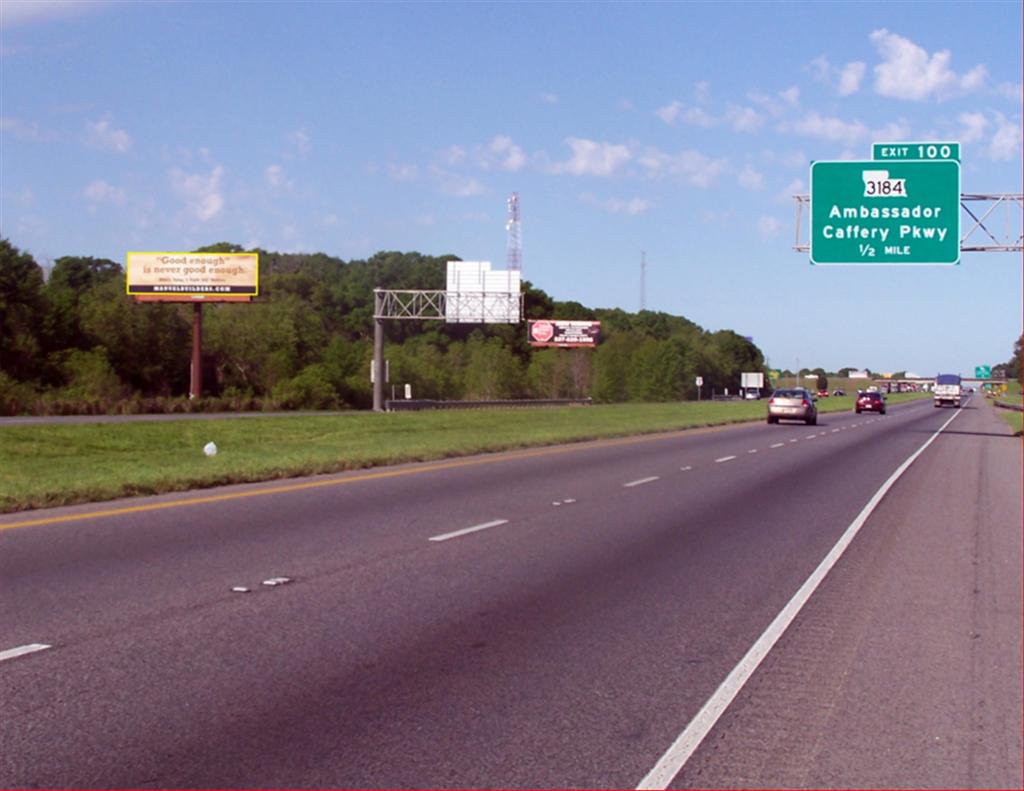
(562, 617)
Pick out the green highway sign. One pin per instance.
(983, 372)
(885, 212)
(927, 151)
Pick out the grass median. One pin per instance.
(62, 464)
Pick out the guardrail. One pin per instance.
(1014, 407)
(417, 404)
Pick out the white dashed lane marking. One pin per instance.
(641, 481)
(779, 445)
(22, 650)
(467, 530)
(724, 458)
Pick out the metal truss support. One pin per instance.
(460, 307)
(981, 224)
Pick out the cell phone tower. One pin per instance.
(515, 241)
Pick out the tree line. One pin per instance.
(74, 342)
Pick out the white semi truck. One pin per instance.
(947, 390)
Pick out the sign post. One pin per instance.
(699, 381)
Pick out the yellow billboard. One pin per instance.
(187, 276)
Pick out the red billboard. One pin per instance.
(563, 334)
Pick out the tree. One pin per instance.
(492, 371)
(22, 306)
(822, 382)
(148, 344)
(612, 367)
(1013, 367)
(71, 279)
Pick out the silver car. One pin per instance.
(792, 404)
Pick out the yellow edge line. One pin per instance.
(298, 487)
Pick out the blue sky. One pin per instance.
(678, 129)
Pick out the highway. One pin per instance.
(552, 618)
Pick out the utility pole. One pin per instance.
(515, 240)
(643, 287)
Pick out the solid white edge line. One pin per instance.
(21, 650)
(724, 458)
(466, 530)
(641, 481)
(669, 765)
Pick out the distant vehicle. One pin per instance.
(947, 390)
(839, 392)
(792, 404)
(823, 394)
(870, 402)
(752, 394)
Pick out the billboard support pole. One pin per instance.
(196, 386)
(378, 365)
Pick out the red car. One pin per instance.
(870, 402)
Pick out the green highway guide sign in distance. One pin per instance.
(885, 212)
(983, 372)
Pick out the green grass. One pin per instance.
(62, 464)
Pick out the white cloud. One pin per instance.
(453, 155)
(692, 166)
(300, 141)
(973, 126)
(103, 134)
(1006, 141)
(99, 191)
(820, 69)
(456, 185)
(25, 12)
(1010, 90)
(201, 194)
(28, 131)
(403, 172)
(892, 131)
(850, 78)
(907, 71)
(670, 112)
(744, 119)
(750, 179)
(791, 96)
(795, 187)
(768, 227)
(510, 156)
(633, 206)
(591, 158)
(276, 178)
(775, 106)
(697, 117)
(549, 98)
(834, 129)
(974, 80)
